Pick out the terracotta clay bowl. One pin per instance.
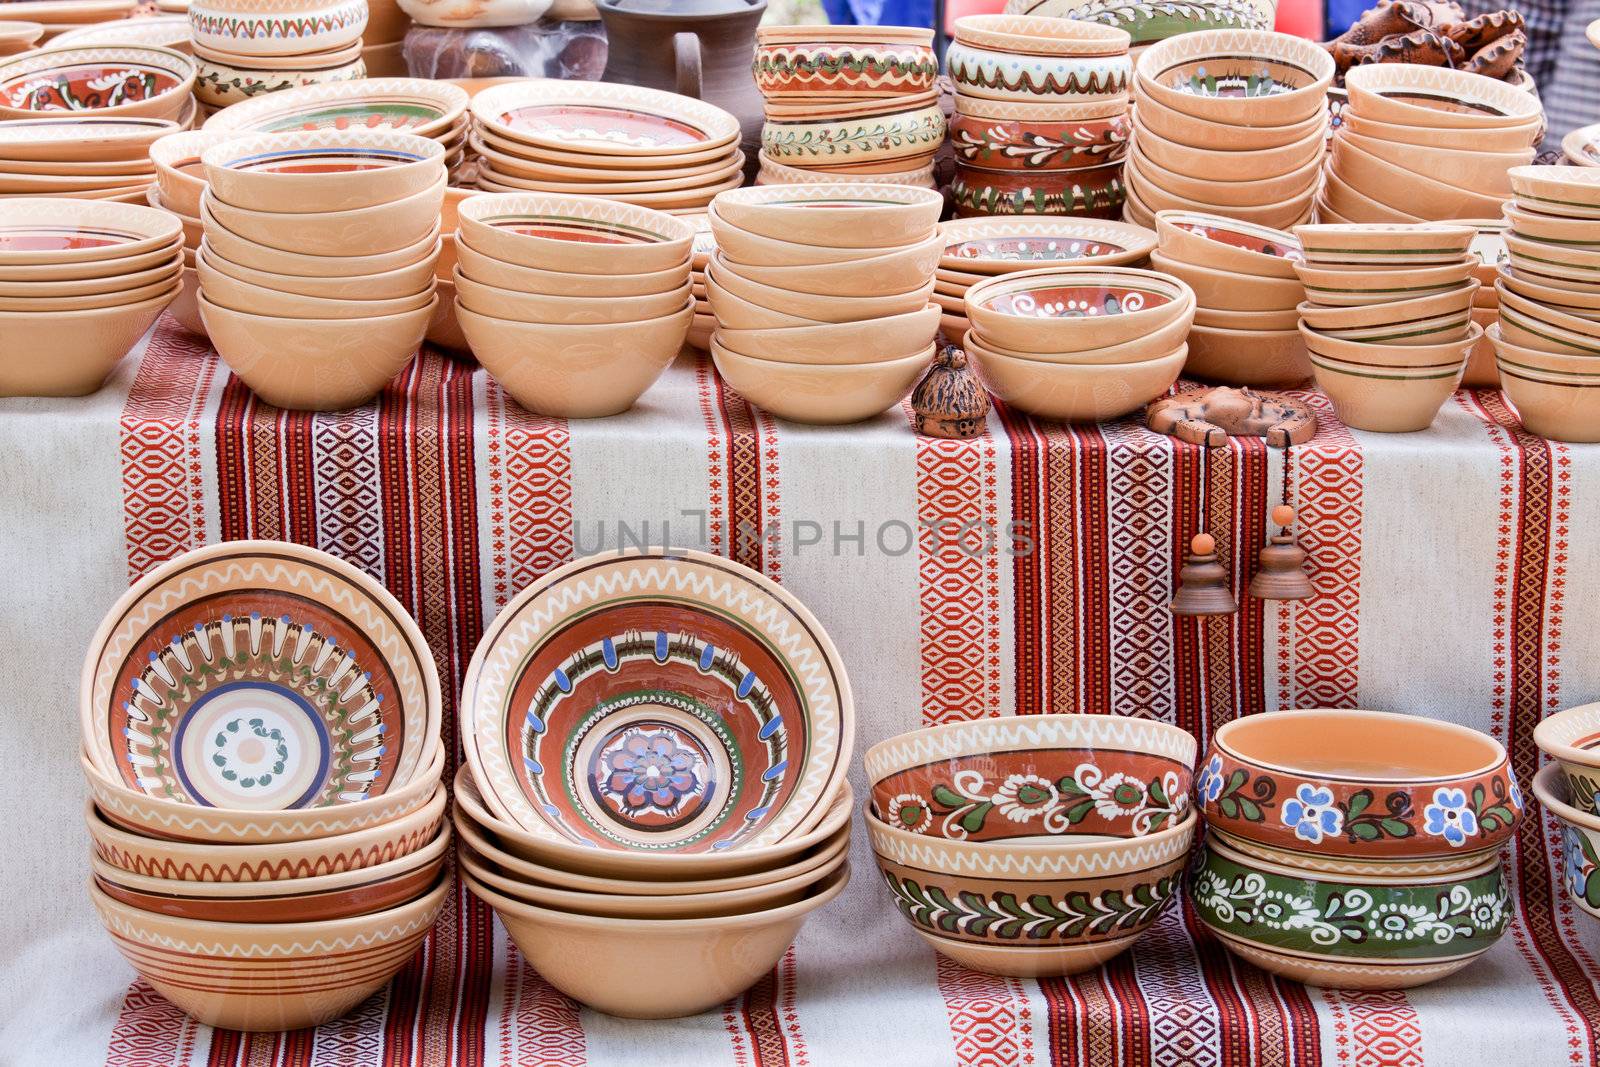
(1491, 140)
(988, 246)
(565, 310)
(840, 216)
(1092, 192)
(163, 31)
(121, 285)
(909, 137)
(1227, 291)
(225, 80)
(1075, 309)
(621, 179)
(574, 371)
(418, 106)
(1369, 931)
(1347, 286)
(246, 253)
(577, 235)
(1549, 257)
(1537, 226)
(1385, 244)
(1050, 888)
(603, 119)
(1280, 215)
(1248, 321)
(85, 345)
(1068, 392)
(1570, 192)
(1442, 352)
(1233, 191)
(1483, 173)
(360, 717)
(246, 29)
(1572, 739)
(314, 364)
(1394, 315)
(365, 231)
(811, 306)
(1439, 97)
(583, 956)
(772, 172)
(821, 394)
(801, 63)
(1580, 845)
(1239, 77)
(1030, 58)
(1361, 784)
(227, 291)
(1579, 304)
(180, 175)
(1049, 144)
(1186, 129)
(317, 898)
(1531, 323)
(109, 82)
(58, 138)
(1253, 357)
(1354, 205)
(278, 976)
(1371, 395)
(1386, 183)
(671, 185)
(734, 312)
(745, 247)
(1557, 396)
(1039, 35)
(497, 272)
(1410, 333)
(1206, 161)
(94, 301)
(43, 234)
(867, 341)
(331, 171)
(1219, 243)
(1153, 345)
(884, 275)
(1033, 776)
(409, 281)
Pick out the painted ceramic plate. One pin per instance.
(92, 79)
(68, 230)
(602, 118)
(658, 701)
(412, 105)
(1000, 246)
(75, 137)
(259, 676)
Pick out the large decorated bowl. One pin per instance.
(1034, 776)
(259, 676)
(1238, 77)
(1572, 739)
(987, 246)
(843, 62)
(1146, 22)
(120, 81)
(409, 105)
(1367, 785)
(1580, 838)
(659, 702)
(1075, 309)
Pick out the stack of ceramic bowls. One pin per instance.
(821, 296)
(1033, 845)
(1569, 789)
(1418, 143)
(317, 266)
(180, 184)
(107, 83)
(1355, 849)
(261, 740)
(1489, 246)
(51, 19)
(1388, 318)
(1041, 116)
(163, 31)
(80, 282)
(18, 36)
(432, 109)
(848, 103)
(1229, 122)
(574, 304)
(705, 243)
(249, 47)
(980, 248)
(80, 157)
(1079, 344)
(653, 813)
(641, 146)
(1246, 326)
(1548, 338)
(1149, 23)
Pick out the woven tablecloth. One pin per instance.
(1027, 570)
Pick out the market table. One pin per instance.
(1026, 570)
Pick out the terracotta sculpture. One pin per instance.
(949, 401)
(1280, 565)
(1203, 582)
(1210, 416)
(1433, 33)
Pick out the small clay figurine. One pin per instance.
(949, 401)
(1203, 582)
(1434, 33)
(1280, 572)
(1210, 416)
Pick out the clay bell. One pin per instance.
(1203, 582)
(1280, 572)
(949, 401)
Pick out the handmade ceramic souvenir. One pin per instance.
(276, 27)
(1156, 344)
(1002, 246)
(1219, 243)
(1479, 172)
(1490, 140)
(1223, 164)
(85, 345)
(1232, 192)
(1416, 95)
(1421, 321)
(223, 80)
(821, 394)
(322, 170)
(61, 138)
(867, 275)
(231, 292)
(1388, 184)
(723, 276)
(890, 135)
(1240, 77)
(1073, 309)
(1073, 392)
(412, 105)
(1385, 244)
(1055, 144)
(817, 62)
(1038, 59)
(1572, 738)
(579, 235)
(533, 308)
(363, 231)
(739, 741)
(1222, 290)
(402, 282)
(1557, 396)
(602, 118)
(237, 250)
(1580, 841)
(103, 82)
(1095, 191)
(867, 341)
(1534, 325)
(841, 216)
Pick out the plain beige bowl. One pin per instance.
(1153, 345)
(180, 175)
(575, 372)
(564, 310)
(1070, 392)
(1384, 399)
(616, 965)
(110, 284)
(186, 307)
(367, 231)
(1561, 407)
(812, 306)
(869, 276)
(229, 292)
(575, 234)
(323, 170)
(248, 253)
(314, 364)
(1378, 357)
(387, 285)
(497, 272)
(868, 341)
(735, 312)
(821, 394)
(82, 346)
(834, 216)
(1248, 357)
(743, 246)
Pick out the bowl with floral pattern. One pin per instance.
(1075, 309)
(1096, 191)
(122, 81)
(1044, 906)
(1350, 931)
(989, 246)
(1580, 838)
(1361, 784)
(1053, 144)
(1020, 777)
(843, 62)
(1572, 739)
(657, 702)
(259, 676)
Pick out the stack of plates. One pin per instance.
(163, 31)
(119, 81)
(1417, 143)
(79, 157)
(705, 243)
(640, 146)
(976, 249)
(80, 282)
(57, 17)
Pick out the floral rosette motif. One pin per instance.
(1034, 146)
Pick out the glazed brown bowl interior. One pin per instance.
(1352, 744)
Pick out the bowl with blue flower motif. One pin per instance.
(1580, 838)
(1359, 930)
(1572, 739)
(1366, 785)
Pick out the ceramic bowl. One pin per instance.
(1425, 332)
(772, 172)
(734, 312)
(112, 82)
(85, 345)
(1483, 173)
(1279, 215)
(1538, 226)
(741, 246)
(56, 138)
(1052, 907)
(402, 282)
(227, 291)
(574, 371)
(1382, 244)
(1218, 136)
(314, 364)
(1557, 396)
(48, 237)
(331, 171)
(840, 216)
(887, 274)
(1353, 205)
(1489, 140)
(988, 246)
(1369, 395)
(890, 134)
(584, 956)
(1152, 345)
(277, 976)
(1571, 262)
(1041, 35)
(1239, 77)
(1057, 143)
(1350, 931)
(223, 80)
(1580, 847)
(603, 119)
(1583, 305)
(1038, 59)
(1068, 392)
(818, 393)
(723, 276)
(361, 716)
(1219, 243)
(287, 27)
(1222, 290)
(1244, 356)
(497, 272)
(785, 739)
(1572, 739)
(180, 175)
(1092, 192)
(1033, 776)
(95, 301)
(1225, 164)
(1348, 286)
(362, 231)
(163, 31)
(1570, 192)
(1075, 309)
(1439, 97)
(1442, 352)
(1534, 325)
(1248, 321)
(316, 898)
(418, 106)
(811, 62)
(576, 235)
(1236, 190)
(1395, 315)
(122, 286)
(867, 341)
(1386, 183)
(1360, 784)
(514, 306)
(246, 253)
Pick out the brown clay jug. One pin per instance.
(699, 48)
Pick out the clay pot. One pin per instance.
(1073, 392)
(819, 393)
(1217, 75)
(1045, 144)
(180, 175)
(1568, 738)
(1270, 358)
(1075, 309)
(995, 74)
(1219, 243)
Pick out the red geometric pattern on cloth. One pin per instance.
(1184, 1022)
(542, 1027)
(990, 1019)
(530, 494)
(1376, 1028)
(344, 475)
(762, 1025)
(163, 490)
(1138, 538)
(744, 514)
(150, 1032)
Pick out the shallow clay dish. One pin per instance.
(575, 234)
(1238, 77)
(1394, 321)
(986, 246)
(419, 106)
(1445, 345)
(322, 170)
(1440, 97)
(821, 394)
(1385, 244)
(602, 118)
(104, 82)
(739, 740)
(1069, 392)
(870, 340)
(840, 216)
(1220, 243)
(364, 231)
(1074, 309)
